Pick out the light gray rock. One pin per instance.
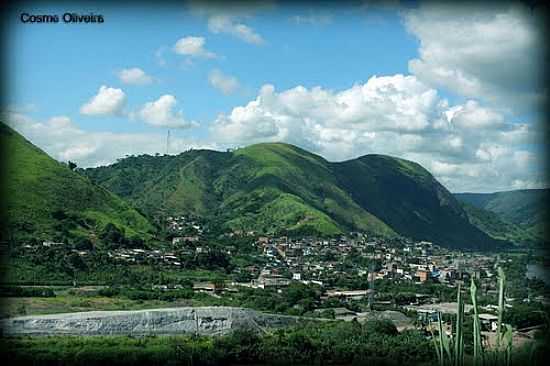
(167, 321)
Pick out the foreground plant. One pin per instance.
(501, 354)
(478, 347)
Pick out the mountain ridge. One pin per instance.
(280, 188)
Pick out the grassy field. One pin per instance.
(69, 303)
(86, 299)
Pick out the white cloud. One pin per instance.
(472, 115)
(60, 122)
(227, 84)
(231, 18)
(108, 101)
(192, 47)
(231, 25)
(469, 146)
(62, 139)
(162, 113)
(489, 52)
(134, 76)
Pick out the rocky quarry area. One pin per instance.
(168, 321)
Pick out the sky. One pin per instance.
(455, 88)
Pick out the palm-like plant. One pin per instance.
(455, 357)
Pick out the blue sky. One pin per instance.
(342, 82)
(52, 59)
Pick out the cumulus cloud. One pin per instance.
(227, 84)
(487, 52)
(108, 101)
(162, 113)
(469, 146)
(193, 47)
(472, 115)
(134, 76)
(64, 140)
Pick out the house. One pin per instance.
(50, 243)
(270, 281)
(427, 315)
(422, 275)
(349, 294)
(208, 287)
(489, 321)
(182, 239)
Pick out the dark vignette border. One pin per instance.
(539, 8)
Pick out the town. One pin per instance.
(357, 276)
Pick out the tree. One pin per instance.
(111, 235)
(72, 165)
(82, 243)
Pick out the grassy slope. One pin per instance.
(525, 212)
(176, 184)
(280, 188)
(409, 199)
(294, 188)
(37, 186)
(493, 225)
(265, 187)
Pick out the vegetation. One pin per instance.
(499, 354)
(15, 291)
(493, 225)
(519, 216)
(330, 343)
(47, 201)
(280, 189)
(297, 299)
(99, 270)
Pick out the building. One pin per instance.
(351, 294)
(183, 239)
(489, 322)
(422, 275)
(270, 281)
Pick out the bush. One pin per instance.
(310, 343)
(26, 292)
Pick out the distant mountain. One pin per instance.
(523, 214)
(45, 200)
(282, 189)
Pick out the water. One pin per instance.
(537, 270)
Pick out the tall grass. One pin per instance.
(478, 347)
(459, 335)
(501, 354)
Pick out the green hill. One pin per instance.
(523, 213)
(409, 199)
(48, 201)
(279, 188)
